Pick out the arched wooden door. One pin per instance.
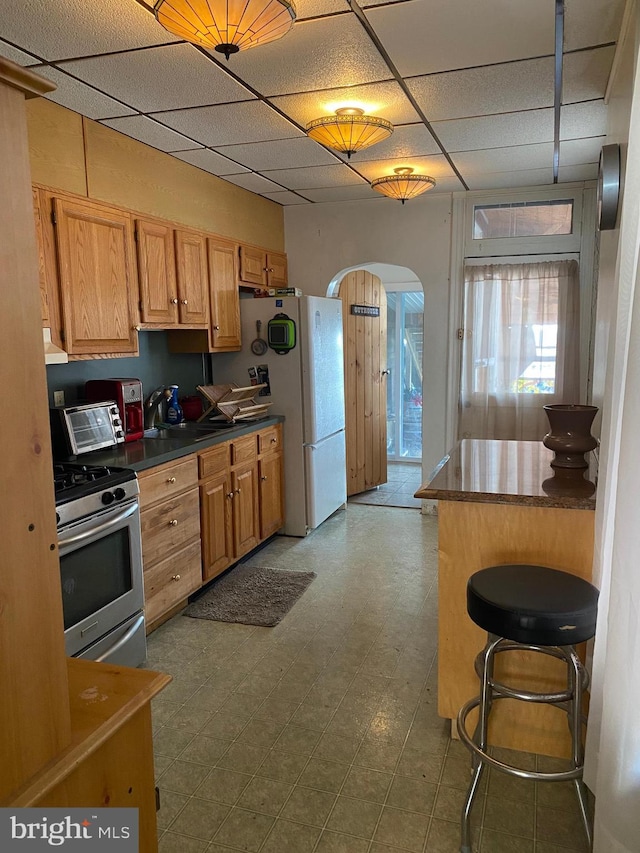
(364, 311)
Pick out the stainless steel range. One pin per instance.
(100, 547)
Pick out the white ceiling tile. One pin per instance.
(160, 78)
(211, 162)
(585, 74)
(426, 36)
(575, 152)
(314, 177)
(230, 124)
(436, 166)
(520, 157)
(506, 180)
(586, 172)
(379, 99)
(509, 87)
(80, 27)
(150, 132)
(313, 8)
(319, 54)
(588, 118)
(410, 140)
(501, 131)
(253, 183)
(80, 98)
(591, 22)
(286, 198)
(279, 154)
(355, 193)
(15, 55)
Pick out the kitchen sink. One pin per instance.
(187, 430)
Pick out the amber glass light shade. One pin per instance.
(226, 26)
(403, 184)
(349, 130)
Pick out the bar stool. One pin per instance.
(530, 608)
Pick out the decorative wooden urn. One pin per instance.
(570, 435)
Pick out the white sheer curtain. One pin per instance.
(520, 347)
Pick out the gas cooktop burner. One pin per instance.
(72, 481)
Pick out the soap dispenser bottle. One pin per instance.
(174, 409)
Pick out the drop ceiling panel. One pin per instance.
(80, 98)
(382, 99)
(574, 152)
(317, 176)
(286, 198)
(15, 55)
(280, 154)
(436, 166)
(520, 157)
(410, 140)
(254, 183)
(587, 172)
(591, 22)
(80, 27)
(506, 180)
(160, 78)
(313, 8)
(318, 54)
(211, 162)
(585, 74)
(146, 130)
(355, 193)
(502, 131)
(231, 124)
(509, 87)
(586, 119)
(423, 37)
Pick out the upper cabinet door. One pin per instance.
(193, 290)
(44, 298)
(223, 291)
(253, 266)
(276, 269)
(97, 277)
(157, 273)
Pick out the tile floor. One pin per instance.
(403, 480)
(321, 735)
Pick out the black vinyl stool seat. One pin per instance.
(537, 609)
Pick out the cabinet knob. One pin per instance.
(184, 301)
(175, 577)
(237, 491)
(274, 441)
(229, 494)
(173, 522)
(174, 301)
(171, 480)
(216, 328)
(263, 478)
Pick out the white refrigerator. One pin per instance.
(307, 387)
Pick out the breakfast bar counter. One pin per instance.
(500, 502)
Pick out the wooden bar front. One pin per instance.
(496, 507)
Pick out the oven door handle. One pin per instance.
(137, 626)
(65, 542)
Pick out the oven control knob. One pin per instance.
(57, 518)
(107, 498)
(119, 494)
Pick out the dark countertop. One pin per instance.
(149, 452)
(509, 472)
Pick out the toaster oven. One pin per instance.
(80, 429)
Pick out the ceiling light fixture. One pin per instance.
(403, 184)
(349, 130)
(226, 26)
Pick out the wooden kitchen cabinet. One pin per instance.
(157, 273)
(223, 295)
(170, 523)
(193, 287)
(270, 480)
(261, 268)
(95, 249)
(42, 274)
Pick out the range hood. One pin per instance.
(52, 353)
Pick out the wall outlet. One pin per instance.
(58, 398)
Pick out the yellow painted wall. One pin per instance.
(73, 153)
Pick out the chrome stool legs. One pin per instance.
(570, 700)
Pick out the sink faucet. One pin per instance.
(153, 407)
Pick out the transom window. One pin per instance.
(523, 219)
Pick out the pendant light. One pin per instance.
(349, 130)
(226, 26)
(403, 184)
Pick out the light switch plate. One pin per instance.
(58, 398)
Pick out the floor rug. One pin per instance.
(251, 595)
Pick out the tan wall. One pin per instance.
(73, 153)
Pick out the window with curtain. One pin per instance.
(520, 347)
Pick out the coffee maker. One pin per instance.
(127, 393)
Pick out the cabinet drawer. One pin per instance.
(172, 580)
(214, 461)
(243, 449)
(270, 440)
(163, 482)
(169, 525)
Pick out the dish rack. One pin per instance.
(234, 403)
